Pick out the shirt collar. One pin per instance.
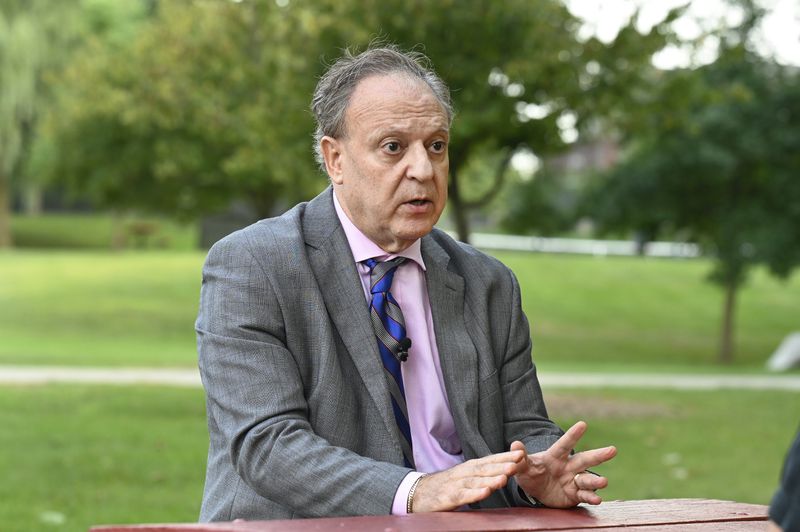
(363, 248)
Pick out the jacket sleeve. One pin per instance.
(525, 414)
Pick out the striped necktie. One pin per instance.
(393, 344)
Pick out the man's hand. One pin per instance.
(557, 478)
(472, 481)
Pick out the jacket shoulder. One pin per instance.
(265, 238)
(466, 259)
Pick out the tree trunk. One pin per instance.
(497, 186)
(728, 313)
(32, 199)
(5, 212)
(459, 209)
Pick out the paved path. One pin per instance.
(670, 381)
(87, 375)
(191, 378)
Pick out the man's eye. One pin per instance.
(392, 147)
(438, 146)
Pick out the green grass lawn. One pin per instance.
(99, 308)
(618, 312)
(707, 444)
(98, 231)
(74, 456)
(611, 314)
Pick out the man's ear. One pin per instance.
(332, 155)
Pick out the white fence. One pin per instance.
(582, 246)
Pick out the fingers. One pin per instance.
(587, 484)
(466, 483)
(492, 465)
(514, 455)
(590, 482)
(518, 446)
(585, 459)
(440, 492)
(567, 442)
(591, 458)
(588, 497)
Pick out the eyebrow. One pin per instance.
(394, 131)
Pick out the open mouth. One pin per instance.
(418, 202)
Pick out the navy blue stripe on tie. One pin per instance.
(390, 330)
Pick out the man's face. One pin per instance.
(389, 170)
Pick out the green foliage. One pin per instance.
(20, 57)
(716, 160)
(543, 206)
(500, 57)
(37, 38)
(31, 36)
(612, 314)
(18, 80)
(209, 101)
(719, 162)
(203, 106)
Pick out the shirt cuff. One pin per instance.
(401, 495)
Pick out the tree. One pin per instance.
(37, 38)
(209, 102)
(719, 161)
(20, 58)
(516, 69)
(203, 105)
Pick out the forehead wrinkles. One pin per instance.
(401, 119)
(394, 102)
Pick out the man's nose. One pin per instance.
(420, 166)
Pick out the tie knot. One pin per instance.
(381, 273)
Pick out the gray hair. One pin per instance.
(332, 95)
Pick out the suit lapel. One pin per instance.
(457, 353)
(332, 263)
(334, 268)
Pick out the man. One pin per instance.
(340, 381)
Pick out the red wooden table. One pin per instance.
(657, 515)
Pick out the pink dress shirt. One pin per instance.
(436, 445)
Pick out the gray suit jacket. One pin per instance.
(299, 416)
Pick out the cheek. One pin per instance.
(442, 189)
(444, 171)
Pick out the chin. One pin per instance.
(411, 235)
(413, 228)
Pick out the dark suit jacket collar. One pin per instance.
(320, 222)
